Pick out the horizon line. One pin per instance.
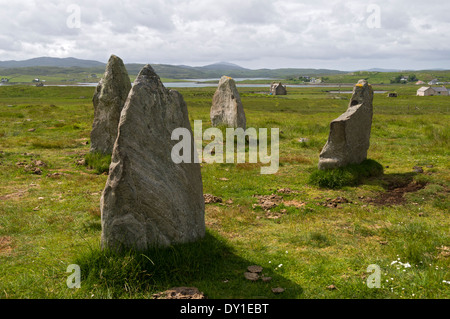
(366, 69)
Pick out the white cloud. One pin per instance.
(256, 33)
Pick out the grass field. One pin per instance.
(63, 79)
(315, 242)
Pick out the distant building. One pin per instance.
(425, 91)
(432, 91)
(433, 82)
(440, 90)
(420, 83)
(315, 81)
(277, 88)
(5, 80)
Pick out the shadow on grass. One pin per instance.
(370, 172)
(396, 186)
(350, 175)
(209, 264)
(396, 180)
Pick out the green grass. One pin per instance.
(51, 220)
(98, 162)
(386, 77)
(350, 175)
(106, 273)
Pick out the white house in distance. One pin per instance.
(433, 82)
(432, 91)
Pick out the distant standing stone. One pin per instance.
(148, 200)
(277, 88)
(349, 137)
(109, 99)
(226, 106)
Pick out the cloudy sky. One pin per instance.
(335, 34)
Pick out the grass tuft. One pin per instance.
(319, 240)
(98, 162)
(350, 175)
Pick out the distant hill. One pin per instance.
(73, 68)
(223, 66)
(380, 70)
(397, 70)
(212, 71)
(217, 70)
(48, 66)
(53, 62)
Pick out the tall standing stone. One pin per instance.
(148, 200)
(226, 106)
(349, 137)
(109, 99)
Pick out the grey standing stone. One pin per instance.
(109, 99)
(349, 137)
(277, 88)
(148, 200)
(226, 106)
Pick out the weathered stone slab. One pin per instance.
(148, 200)
(109, 99)
(227, 108)
(349, 138)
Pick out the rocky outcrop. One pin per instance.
(227, 108)
(109, 99)
(148, 200)
(349, 137)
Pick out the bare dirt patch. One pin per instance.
(295, 203)
(34, 166)
(444, 251)
(211, 199)
(395, 194)
(15, 195)
(55, 175)
(334, 202)
(5, 245)
(180, 293)
(267, 202)
(287, 191)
